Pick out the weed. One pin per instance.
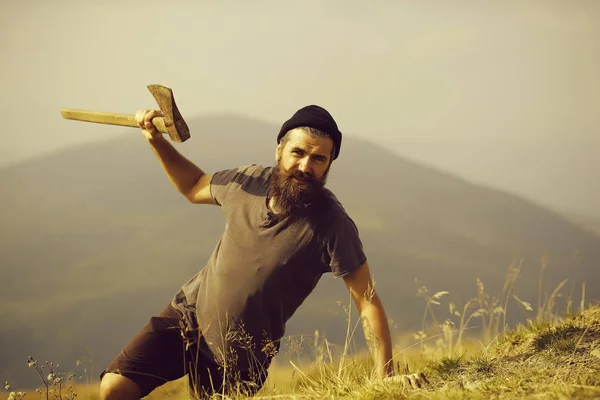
(446, 367)
(561, 338)
(483, 365)
(550, 356)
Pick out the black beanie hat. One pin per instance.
(314, 117)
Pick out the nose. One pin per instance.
(304, 165)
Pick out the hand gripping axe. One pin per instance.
(172, 122)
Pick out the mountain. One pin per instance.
(94, 241)
(588, 222)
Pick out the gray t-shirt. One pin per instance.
(262, 268)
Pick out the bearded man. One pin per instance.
(283, 231)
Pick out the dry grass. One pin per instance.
(552, 356)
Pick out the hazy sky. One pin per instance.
(505, 93)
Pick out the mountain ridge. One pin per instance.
(95, 226)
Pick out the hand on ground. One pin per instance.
(412, 381)
(408, 380)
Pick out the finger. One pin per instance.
(149, 125)
(148, 118)
(143, 118)
(416, 381)
(413, 382)
(153, 114)
(405, 381)
(139, 117)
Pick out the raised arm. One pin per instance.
(374, 320)
(188, 178)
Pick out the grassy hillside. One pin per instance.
(94, 241)
(537, 360)
(534, 361)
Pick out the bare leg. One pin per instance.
(118, 387)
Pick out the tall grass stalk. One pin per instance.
(491, 311)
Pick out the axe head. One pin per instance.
(176, 127)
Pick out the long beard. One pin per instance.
(294, 199)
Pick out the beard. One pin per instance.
(294, 199)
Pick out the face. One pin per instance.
(303, 163)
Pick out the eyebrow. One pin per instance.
(323, 156)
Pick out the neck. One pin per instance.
(272, 205)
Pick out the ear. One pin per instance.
(278, 151)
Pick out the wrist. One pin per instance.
(156, 139)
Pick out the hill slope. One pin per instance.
(536, 361)
(94, 240)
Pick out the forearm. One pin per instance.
(182, 173)
(377, 334)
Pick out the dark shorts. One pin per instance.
(159, 353)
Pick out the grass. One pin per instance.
(551, 356)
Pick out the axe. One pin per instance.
(172, 122)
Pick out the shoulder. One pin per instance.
(255, 170)
(241, 174)
(333, 216)
(332, 207)
(251, 178)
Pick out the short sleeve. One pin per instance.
(344, 247)
(222, 181)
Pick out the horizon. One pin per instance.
(226, 116)
(502, 94)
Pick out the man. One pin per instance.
(283, 231)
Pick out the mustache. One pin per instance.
(301, 175)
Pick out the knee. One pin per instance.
(118, 387)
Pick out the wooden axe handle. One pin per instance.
(110, 118)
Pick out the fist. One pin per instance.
(144, 120)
